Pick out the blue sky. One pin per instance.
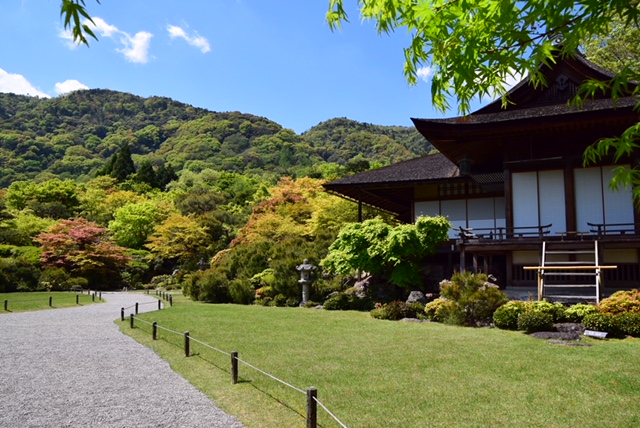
(276, 59)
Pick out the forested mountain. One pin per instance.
(103, 189)
(73, 136)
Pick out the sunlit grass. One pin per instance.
(374, 373)
(39, 300)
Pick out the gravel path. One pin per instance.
(73, 368)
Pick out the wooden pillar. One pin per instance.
(570, 198)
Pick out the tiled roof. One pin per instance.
(431, 167)
(535, 112)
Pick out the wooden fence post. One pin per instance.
(154, 331)
(121, 314)
(77, 299)
(6, 305)
(51, 301)
(136, 308)
(234, 367)
(312, 407)
(171, 300)
(186, 343)
(131, 321)
(93, 297)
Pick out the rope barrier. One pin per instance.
(329, 412)
(169, 330)
(141, 320)
(272, 377)
(248, 365)
(209, 346)
(140, 304)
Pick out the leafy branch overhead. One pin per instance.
(473, 47)
(72, 12)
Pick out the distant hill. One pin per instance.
(73, 136)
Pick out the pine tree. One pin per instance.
(123, 165)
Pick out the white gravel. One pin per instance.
(73, 368)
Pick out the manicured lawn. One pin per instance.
(39, 300)
(373, 373)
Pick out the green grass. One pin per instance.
(39, 300)
(373, 373)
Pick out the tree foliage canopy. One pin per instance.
(381, 249)
(473, 47)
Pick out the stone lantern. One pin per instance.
(305, 269)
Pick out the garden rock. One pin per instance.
(565, 331)
(417, 297)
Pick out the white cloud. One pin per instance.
(102, 28)
(424, 73)
(134, 48)
(67, 36)
(69, 86)
(17, 84)
(137, 47)
(195, 39)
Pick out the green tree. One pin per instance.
(179, 237)
(378, 248)
(122, 165)
(474, 47)
(618, 48)
(51, 198)
(133, 223)
(146, 174)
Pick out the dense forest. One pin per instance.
(104, 189)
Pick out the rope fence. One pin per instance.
(93, 297)
(311, 392)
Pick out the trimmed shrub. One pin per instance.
(531, 321)
(621, 301)
(506, 316)
(394, 311)
(578, 311)
(617, 325)
(476, 299)
(432, 309)
(278, 300)
(602, 322)
(241, 291)
(338, 301)
(556, 310)
(628, 323)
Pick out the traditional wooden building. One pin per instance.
(512, 182)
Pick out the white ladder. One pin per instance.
(569, 280)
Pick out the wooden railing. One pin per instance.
(503, 233)
(608, 229)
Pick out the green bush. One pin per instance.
(628, 323)
(556, 310)
(394, 311)
(531, 321)
(602, 322)
(207, 286)
(18, 275)
(506, 316)
(621, 301)
(475, 299)
(337, 301)
(241, 291)
(278, 300)
(578, 311)
(617, 325)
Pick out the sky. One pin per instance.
(276, 59)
